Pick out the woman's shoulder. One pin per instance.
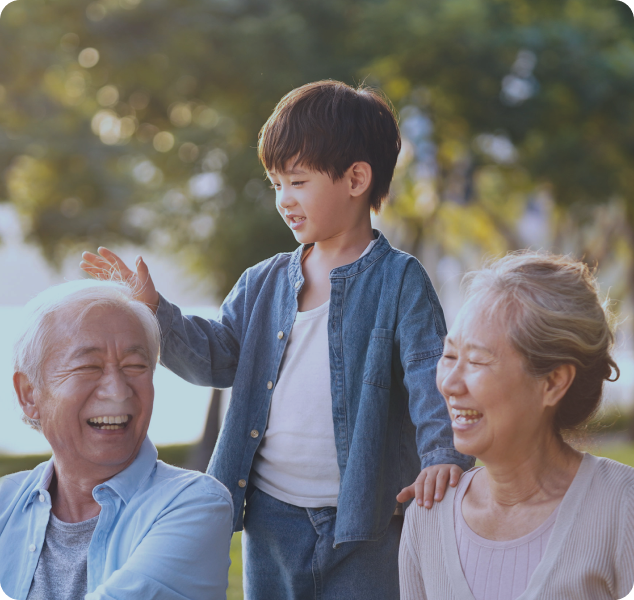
(424, 525)
(613, 476)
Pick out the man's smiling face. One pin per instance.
(97, 396)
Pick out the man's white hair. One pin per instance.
(71, 301)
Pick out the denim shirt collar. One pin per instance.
(124, 484)
(296, 276)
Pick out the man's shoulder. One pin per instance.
(22, 478)
(9, 484)
(21, 484)
(190, 483)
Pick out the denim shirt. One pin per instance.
(162, 533)
(385, 334)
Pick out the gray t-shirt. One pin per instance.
(61, 572)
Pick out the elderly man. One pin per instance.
(103, 519)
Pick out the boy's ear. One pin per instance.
(360, 176)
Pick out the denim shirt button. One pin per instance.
(255, 433)
(242, 483)
(269, 385)
(41, 498)
(32, 548)
(280, 335)
(297, 284)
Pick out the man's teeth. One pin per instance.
(117, 422)
(463, 415)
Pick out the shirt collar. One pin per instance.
(43, 482)
(124, 484)
(296, 277)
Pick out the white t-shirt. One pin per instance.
(297, 459)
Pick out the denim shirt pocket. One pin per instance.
(378, 361)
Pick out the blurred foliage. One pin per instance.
(138, 120)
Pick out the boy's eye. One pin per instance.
(297, 183)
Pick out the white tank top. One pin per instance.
(296, 461)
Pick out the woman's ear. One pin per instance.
(558, 382)
(360, 174)
(26, 395)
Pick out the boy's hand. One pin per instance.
(108, 266)
(431, 485)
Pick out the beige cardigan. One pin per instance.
(590, 554)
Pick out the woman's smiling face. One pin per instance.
(496, 406)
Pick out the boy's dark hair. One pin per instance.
(327, 126)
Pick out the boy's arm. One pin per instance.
(200, 351)
(420, 334)
(204, 352)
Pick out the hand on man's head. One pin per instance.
(107, 266)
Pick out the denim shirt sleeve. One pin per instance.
(184, 555)
(204, 352)
(420, 336)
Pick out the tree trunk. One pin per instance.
(200, 454)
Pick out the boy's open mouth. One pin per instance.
(110, 423)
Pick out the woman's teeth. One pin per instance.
(467, 416)
(118, 422)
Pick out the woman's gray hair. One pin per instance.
(72, 301)
(553, 316)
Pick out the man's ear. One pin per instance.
(557, 383)
(26, 395)
(360, 174)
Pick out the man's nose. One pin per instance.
(113, 386)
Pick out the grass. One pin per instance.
(177, 454)
(234, 591)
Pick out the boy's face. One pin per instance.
(314, 206)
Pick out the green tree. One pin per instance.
(138, 120)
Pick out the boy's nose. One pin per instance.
(285, 199)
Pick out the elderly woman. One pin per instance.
(103, 518)
(523, 365)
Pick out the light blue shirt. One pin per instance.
(163, 532)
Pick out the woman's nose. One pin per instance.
(450, 380)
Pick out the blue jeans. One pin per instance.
(288, 554)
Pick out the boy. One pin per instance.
(331, 351)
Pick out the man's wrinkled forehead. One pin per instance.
(70, 338)
(83, 351)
